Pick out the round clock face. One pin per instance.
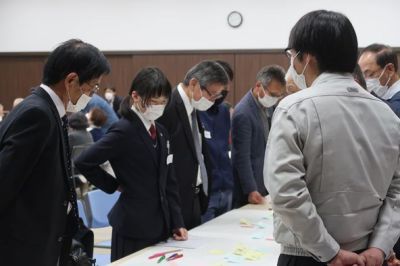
(235, 19)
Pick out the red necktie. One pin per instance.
(153, 134)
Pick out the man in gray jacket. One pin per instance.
(333, 155)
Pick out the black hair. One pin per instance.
(227, 68)
(269, 73)
(330, 37)
(78, 121)
(359, 76)
(149, 83)
(384, 55)
(75, 56)
(207, 73)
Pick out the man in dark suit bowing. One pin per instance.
(202, 85)
(38, 213)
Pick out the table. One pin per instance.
(239, 237)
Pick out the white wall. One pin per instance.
(140, 25)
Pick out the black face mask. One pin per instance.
(220, 100)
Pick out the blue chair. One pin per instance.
(100, 204)
(82, 212)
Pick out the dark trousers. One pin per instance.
(290, 260)
(122, 246)
(195, 218)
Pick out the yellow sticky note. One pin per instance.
(217, 252)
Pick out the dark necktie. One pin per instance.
(153, 133)
(200, 159)
(72, 193)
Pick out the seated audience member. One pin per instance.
(97, 118)
(1, 113)
(114, 100)
(99, 102)
(148, 209)
(17, 101)
(78, 134)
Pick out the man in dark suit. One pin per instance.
(114, 100)
(38, 212)
(250, 128)
(202, 85)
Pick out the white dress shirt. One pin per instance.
(189, 109)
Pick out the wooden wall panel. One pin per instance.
(17, 76)
(247, 67)
(175, 66)
(121, 74)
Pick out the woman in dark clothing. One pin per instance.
(148, 209)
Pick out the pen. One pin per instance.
(161, 258)
(173, 255)
(176, 257)
(156, 255)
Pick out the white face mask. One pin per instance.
(109, 96)
(373, 84)
(153, 112)
(268, 100)
(203, 104)
(298, 79)
(80, 104)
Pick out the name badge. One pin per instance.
(207, 134)
(170, 159)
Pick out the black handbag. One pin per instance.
(81, 252)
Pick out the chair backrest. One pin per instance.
(82, 212)
(100, 204)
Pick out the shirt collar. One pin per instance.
(328, 77)
(146, 123)
(395, 88)
(54, 97)
(185, 98)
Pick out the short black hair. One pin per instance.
(330, 37)
(269, 73)
(207, 73)
(149, 82)
(75, 56)
(384, 54)
(78, 121)
(227, 68)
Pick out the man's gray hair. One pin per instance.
(207, 73)
(268, 73)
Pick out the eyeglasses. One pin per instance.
(94, 88)
(214, 97)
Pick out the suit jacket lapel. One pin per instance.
(182, 113)
(43, 94)
(145, 136)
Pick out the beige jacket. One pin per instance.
(332, 170)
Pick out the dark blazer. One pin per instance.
(33, 184)
(217, 121)
(176, 121)
(394, 103)
(149, 206)
(248, 150)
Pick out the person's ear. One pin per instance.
(390, 69)
(71, 80)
